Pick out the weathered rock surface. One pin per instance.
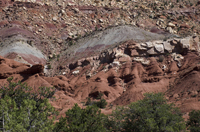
(118, 60)
(123, 78)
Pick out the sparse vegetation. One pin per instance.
(89, 119)
(58, 56)
(48, 66)
(22, 110)
(101, 103)
(194, 121)
(71, 43)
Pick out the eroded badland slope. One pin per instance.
(122, 49)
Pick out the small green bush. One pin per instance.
(89, 119)
(101, 104)
(49, 66)
(194, 121)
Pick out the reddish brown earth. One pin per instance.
(128, 84)
(88, 55)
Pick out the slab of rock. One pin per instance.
(151, 51)
(149, 44)
(171, 25)
(185, 43)
(167, 46)
(140, 47)
(142, 60)
(196, 39)
(159, 48)
(55, 18)
(134, 52)
(124, 59)
(170, 30)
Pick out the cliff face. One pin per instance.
(122, 49)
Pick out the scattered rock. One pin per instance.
(75, 72)
(184, 25)
(149, 44)
(171, 25)
(151, 51)
(168, 47)
(170, 30)
(185, 43)
(55, 18)
(159, 48)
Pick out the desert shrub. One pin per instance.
(89, 102)
(101, 104)
(152, 114)
(194, 121)
(89, 119)
(21, 109)
(49, 66)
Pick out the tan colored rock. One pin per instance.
(134, 52)
(142, 60)
(171, 25)
(168, 47)
(50, 56)
(170, 30)
(40, 30)
(140, 47)
(185, 43)
(75, 72)
(151, 51)
(196, 39)
(124, 59)
(55, 18)
(149, 44)
(159, 48)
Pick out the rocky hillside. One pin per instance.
(119, 48)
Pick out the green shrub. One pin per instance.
(21, 109)
(89, 119)
(89, 102)
(152, 114)
(101, 104)
(194, 121)
(49, 66)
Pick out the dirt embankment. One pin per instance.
(122, 62)
(125, 78)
